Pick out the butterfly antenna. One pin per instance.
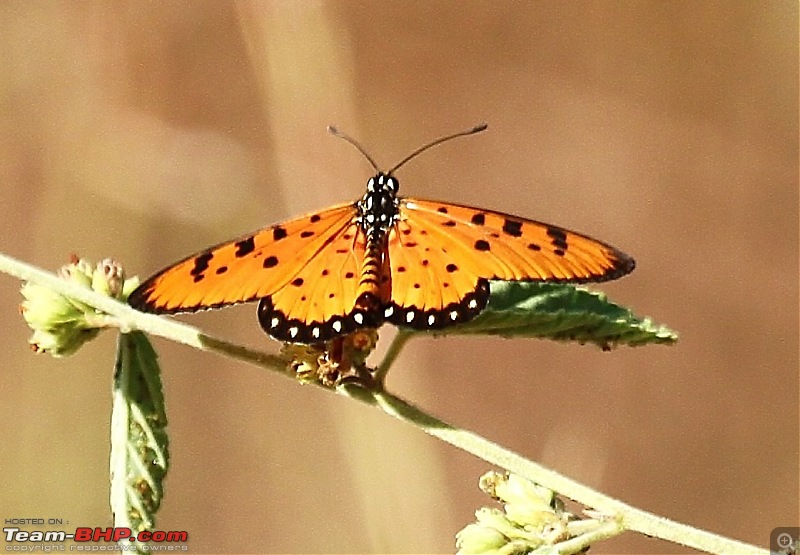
(420, 150)
(336, 133)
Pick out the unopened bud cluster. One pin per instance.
(532, 518)
(60, 324)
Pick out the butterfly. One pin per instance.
(415, 263)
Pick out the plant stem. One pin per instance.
(396, 346)
(631, 518)
(579, 544)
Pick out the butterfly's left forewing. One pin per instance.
(494, 245)
(442, 256)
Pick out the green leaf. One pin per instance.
(139, 455)
(562, 312)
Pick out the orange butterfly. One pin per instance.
(418, 263)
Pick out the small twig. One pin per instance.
(604, 531)
(395, 347)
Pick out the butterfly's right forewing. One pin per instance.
(258, 265)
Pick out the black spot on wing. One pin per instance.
(557, 233)
(278, 233)
(559, 237)
(201, 264)
(479, 218)
(245, 247)
(481, 245)
(270, 262)
(512, 227)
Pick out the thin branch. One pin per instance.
(631, 518)
(129, 319)
(395, 347)
(578, 544)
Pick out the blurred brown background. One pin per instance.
(146, 131)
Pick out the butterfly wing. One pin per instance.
(320, 301)
(305, 271)
(442, 256)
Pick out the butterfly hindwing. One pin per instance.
(428, 288)
(319, 302)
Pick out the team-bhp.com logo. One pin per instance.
(15, 535)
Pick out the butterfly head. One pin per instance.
(383, 183)
(378, 208)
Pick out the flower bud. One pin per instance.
(61, 325)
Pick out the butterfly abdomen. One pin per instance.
(370, 294)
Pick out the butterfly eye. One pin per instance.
(391, 184)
